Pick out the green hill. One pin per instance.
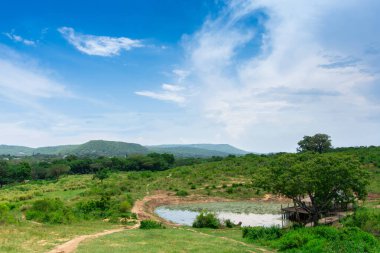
(55, 150)
(109, 148)
(96, 148)
(198, 150)
(15, 150)
(114, 148)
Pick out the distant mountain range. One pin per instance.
(198, 150)
(114, 148)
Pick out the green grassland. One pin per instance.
(168, 240)
(29, 236)
(214, 179)
(230, 178)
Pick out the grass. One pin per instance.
(165, 241)
(229, 179)
(34, 237)
(374, 186)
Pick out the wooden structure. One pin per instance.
(299, 214)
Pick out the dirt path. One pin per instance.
(71, 246)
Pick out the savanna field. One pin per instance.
(38, 214)
(178, 126)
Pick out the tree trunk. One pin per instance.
(315, 219)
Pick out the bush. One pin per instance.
(230, 190)
(50, 211)
(365, 219)
(125, 207)
(328, 239)
(229, 223)
(206, 220)
(294, 239)
(151, 224)
(5, 215)
(257, 233)
(94, 208)
(182, 193)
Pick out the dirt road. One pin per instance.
(71, 246)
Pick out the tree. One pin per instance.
(102, 174)
(326, 179)
(319, 143)
(20, 172)
(4, 171)
(58, 169)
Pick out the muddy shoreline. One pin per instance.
(145, 208)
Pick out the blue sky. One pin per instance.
(255, 74)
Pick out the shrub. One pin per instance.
(257, 233)
(294, 239)
(365, 219)
(229, 224)
(206, 220)
(230, 190)
(182, 193)
(94, 208)
(5, 215)
(125, 207)
(151, 224)
(50, 211)
(328, 239)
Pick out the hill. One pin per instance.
(114, 148)
(95, 148)
(198, 150)
(15, 150)
(109, 148)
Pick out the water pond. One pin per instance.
(248, 213)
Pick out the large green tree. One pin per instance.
(326, 179)
(319, 143)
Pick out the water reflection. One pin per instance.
(186, 217)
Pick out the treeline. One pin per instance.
(13, 170)
(366, 155)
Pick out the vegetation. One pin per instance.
(151, 224)
(262, 233)
(319, 143)
(31, 237)
(198, 150)
(168, 241)
(46, 200)
(112, 148)
(51, 211)
(206, 220)
(329, 181)
(367, 219)
(314, 239)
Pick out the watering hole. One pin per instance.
(248, 213)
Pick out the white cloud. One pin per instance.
(181, 74)
(23, 82)
(18, 38)
(170, 92)
(282, 85)
(98, 45)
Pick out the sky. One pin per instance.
(257, 74)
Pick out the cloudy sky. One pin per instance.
(258, 74)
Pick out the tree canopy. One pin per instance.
(319, 143)
(326, 179)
